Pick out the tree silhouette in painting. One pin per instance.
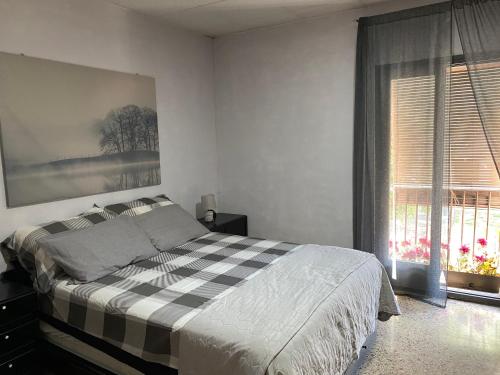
(129, 129)
(149, 130)
(129, 135)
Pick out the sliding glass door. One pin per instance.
(419, 179)
(472, 216)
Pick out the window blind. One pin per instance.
(412, 119)
(412, 130)
(471, 161)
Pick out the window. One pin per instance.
(474, 215)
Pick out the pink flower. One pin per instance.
(445, 246)
(426, 255)
(409, 254)
(424, 242)
(390, 244)
(405, 243)
(480, 258)
(464, 249)
(483, 242)
(419, 252)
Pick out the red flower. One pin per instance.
(426, 255)
(464, 249)
(483, 242)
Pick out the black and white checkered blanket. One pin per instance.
(141, 307)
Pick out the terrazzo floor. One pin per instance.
(462, 339)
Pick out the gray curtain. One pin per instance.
(390, 48)
(478, 24)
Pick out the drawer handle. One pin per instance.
(6, 337)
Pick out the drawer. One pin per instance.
(16, 308)
(22, 364)
(16, 337)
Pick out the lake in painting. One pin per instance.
(46, 183)
(69, 131)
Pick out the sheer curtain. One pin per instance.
(402, 77)
(478, 24)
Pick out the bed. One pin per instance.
(224, 304)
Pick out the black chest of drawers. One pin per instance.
(18, 329)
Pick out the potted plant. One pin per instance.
(477, 272)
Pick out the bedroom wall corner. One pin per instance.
(284, 119)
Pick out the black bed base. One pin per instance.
(62, 362)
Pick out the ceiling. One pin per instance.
(219, 17)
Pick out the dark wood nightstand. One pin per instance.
(18, 328)
(228, 223)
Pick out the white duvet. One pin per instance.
(308, 314)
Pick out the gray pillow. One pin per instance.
(91, 253)
(169, 226)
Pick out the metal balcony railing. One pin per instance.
(471, 222)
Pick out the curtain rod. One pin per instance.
(399, 15)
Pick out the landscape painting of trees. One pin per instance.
(70, 131)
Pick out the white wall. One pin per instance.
(99, 34)
(284, 120)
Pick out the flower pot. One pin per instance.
(473, 281)
(414, 274)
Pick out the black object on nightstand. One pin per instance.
(18, 328)
(228, 223)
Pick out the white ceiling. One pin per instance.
(219, 17)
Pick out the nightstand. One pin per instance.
(18, 328)
(228, 223)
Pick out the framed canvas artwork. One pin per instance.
(69, 130)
